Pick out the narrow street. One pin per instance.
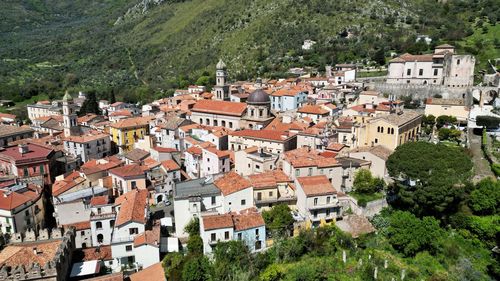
(481, 165)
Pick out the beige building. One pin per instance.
(377, 155)
(272, 188)
(254, 160)
(127, 178)
(317, 199)
(218, 113)
(389, 130)
(443, 67)
(452, 107)
(270, 140)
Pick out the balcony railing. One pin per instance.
(95, 216)
(325, 206)
(275, 200)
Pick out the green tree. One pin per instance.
(195, 245)
(430, 178)
(172, 264)
(197, 268)
(449, 134)
(365, 182)
(278, 219)
(230, 258)
(90, 104)
(112, 96)
(489, 122)
(410, 235)
(193, 227)
(485, 199)
(445, 120)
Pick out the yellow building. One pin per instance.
(390, 130)
(126, 132)
(451, 107)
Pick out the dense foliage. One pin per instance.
(278, 219)
(48, 46)
(365, 182)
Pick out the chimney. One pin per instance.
(23, 148)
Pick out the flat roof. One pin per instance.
(195, 187)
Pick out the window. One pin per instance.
(258, 245)
(420, 72)
(310, 172)
(27, 213)
(297, 172)
(315, 214)
(82, 233)
(213, 200)
(98, 225)
(257, 167)
(458, 62)
(128, 248)
(112, 223)
(212, 237)
(25, 172)
(408, 72)
(99, 211)
(243, 202)
(259, 196)
(230, 125)
(100, 238)
(257, 232)
(133, 230)
(270, 193)
(315, 201)
(328, 200)
(376, 140)
(382, 130)
(226, 235)
(327, 212)
(435, 73)
(133, 184)
(239, 236)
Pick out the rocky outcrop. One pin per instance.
(139, 9)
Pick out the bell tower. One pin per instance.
(221, 89)
(69, 116)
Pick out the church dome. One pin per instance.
(258, 96)
(67, 97)
(221, 65)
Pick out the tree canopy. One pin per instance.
(431, 178)
(90, 105)
(485, 199)
(365, 182)
(278, 219)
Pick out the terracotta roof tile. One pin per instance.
(108, 277)
(268, 179)
(220, 153)
(313, 109)
(212, 222)
(99, 200)
(23, 254)
(247, 219)
(12, 200)
(170, 165)
(272, 135)
(35, 151)
(89, 137)
(132, 170)
(70, 181)
(220, 107)
(305, 157)
(98, 165)
(316, 185)
(154, 272)
(231, 182)
(148, 237)
(79, 225)
(132, 122)
(133, 207)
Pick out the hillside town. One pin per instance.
(106, 196)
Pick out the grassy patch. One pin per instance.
(367, 197)
(365, 74)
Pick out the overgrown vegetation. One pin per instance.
(49, 46)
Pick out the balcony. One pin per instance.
(275, 200)
(103, 216)
(325, 206)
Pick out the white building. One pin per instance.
(443, 67)
(317, 199)
(93, 145)
(288, 98)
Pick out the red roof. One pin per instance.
(219, 153)
(70, 181)
(12, 200)
(231, 182)
(271, 135)
(305, 157)
(220, 107)
(133, 207)
(132, 170)
(247, 219)
(79, 225)
(99, 200)
(34, 153)
(217, 221)
(316, 185)
(148, 237)
(313, 109)
(268, 179)
(98, 165)
(170, 165)
(154, 272)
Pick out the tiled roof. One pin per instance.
(401, 119)
(313, 109)
(305, 157)
(79, 225)
(132, 170)
(170, 165)
(136, 154)
(12, 200)
(99, 200)
(98, 165)
(97, 253)
(151, 163)
(133, 207)
(87, 117)
(132, 122)
(108, 277)
(278, 125)
(35, 151)
(420, 58)
(8, 116)
(291, 92)
(268, 179)
(194, 150)
(89, 137)
(154, 272)
(316, 185)
(148, 237)
(362, 108)
(220, 154)
(380, 151)
(231, 182)
(164, 149)
(123, 112)
(220, 107)
(23, 254)
(270, 135)
(70, 181)
(212, 222)
(247, 219)
(335, 146)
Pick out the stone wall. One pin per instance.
(54, 270)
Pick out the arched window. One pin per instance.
(100, 238)
(98, 225)
(382, 129)
(261, 112)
